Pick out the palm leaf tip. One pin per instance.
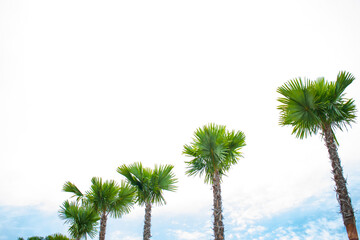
(343, 80)
(72, 188)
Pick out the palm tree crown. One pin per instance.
(310, 106)
(213, 149)
(150, 184)
(110, 197)
(83, 219)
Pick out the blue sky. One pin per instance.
(87, 86)
(316, 218)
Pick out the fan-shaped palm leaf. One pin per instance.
(71, 188)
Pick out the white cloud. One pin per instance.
(256, 229)
(118, 235)
(320, 229)
(324, 229)
(184, 235)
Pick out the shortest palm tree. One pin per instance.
(83, 219)
(149, 185)
(106, 198)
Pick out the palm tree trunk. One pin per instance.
(147, 222)
(342, 194)
(103, 221)
(218, 217)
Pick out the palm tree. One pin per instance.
(83, 219)
(150, 186)
(214, 150)
(319, 106)
(107, 198)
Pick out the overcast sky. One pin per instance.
(86, 86)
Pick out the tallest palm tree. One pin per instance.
(320, 106)
(214, 150)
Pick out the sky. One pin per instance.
(86, 86)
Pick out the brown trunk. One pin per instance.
(218, 217)
(103, 221)
(342, 194)
(147, 222)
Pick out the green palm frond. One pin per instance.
(191, 151)
(200, 166)
(123, 202)
(298, 107)
(139, 177)
(235, 141)
(165, 177)
(71, 188)
(346, 114)
(214, 149)
(343, 80)
(96, 195)
(162, 179)
(127, 173)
